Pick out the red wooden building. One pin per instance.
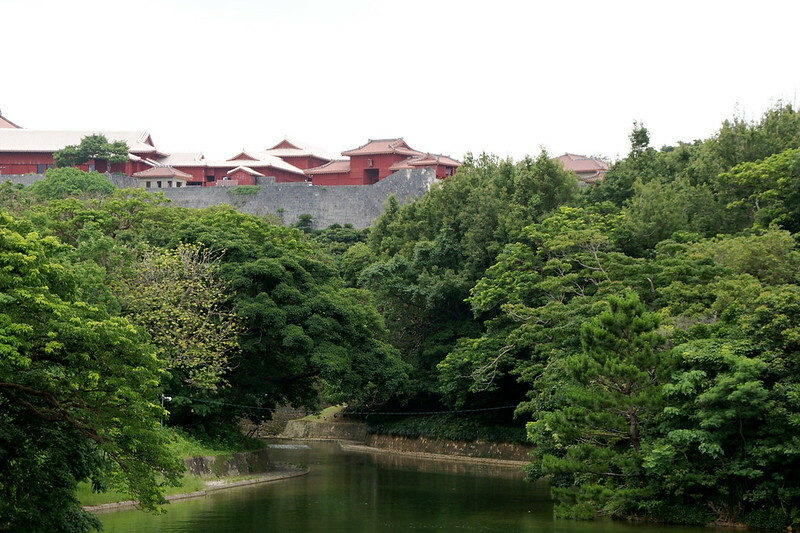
(300, 155)
(25, 151)
(164, 177)
(31, 151)
(377, 159)
(589, 169)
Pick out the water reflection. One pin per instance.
(356, 492)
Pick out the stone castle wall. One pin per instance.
(358, 205)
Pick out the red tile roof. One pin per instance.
(425, 160)
(5, 123)
(256, 160)
(581, 163)
(383, 146)
(288, 148)
(331, 167)
(162, 172)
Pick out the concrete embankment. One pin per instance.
(310, 429)
(255, 465)
(210, 487)
(360, 440)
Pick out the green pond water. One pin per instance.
(354, 492)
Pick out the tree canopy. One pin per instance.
(91, 147)
(78, 390)
(645, 328)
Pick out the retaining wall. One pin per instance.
(237, 464)
(478, 449)
(358, 205)
(309, 429)
(354, 431)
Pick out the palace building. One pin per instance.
(24, 151)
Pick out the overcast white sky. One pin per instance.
(450, 76)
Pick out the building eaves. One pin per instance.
(338, 166)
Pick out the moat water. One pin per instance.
(355, 492)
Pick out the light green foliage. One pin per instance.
(766, 191)
(694, 167)
(91, 147)
(771, 255)
(64, 182)
(657, 210)
(13, 198)
(179, 299)
(78, 391)
(244, 190)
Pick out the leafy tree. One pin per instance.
(64, 182)
(657, 210)
(178, 298)
(302, 333)
(78, 395)
(305, 223)
(771, 256)
(592, 442)
(91, 147)
(766, 191)
(431, 253)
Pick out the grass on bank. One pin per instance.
(328, 414)
(87, 496)
(183, 445)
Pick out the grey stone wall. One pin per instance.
(119, 180)
(24, 179)
(358, 205)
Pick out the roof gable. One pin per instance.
(286, 143)
(287, 148)
(5, 123)
(383, 146)
(243, 156)
(257, 160)
(246, 170)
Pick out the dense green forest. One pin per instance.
(647, 329)
(643, 334)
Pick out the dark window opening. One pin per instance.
(371, 175)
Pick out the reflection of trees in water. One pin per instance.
(445, 466)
